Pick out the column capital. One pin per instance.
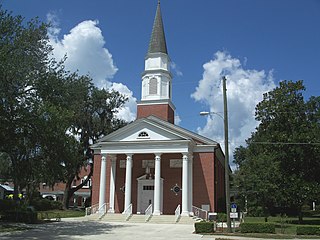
(113, 157)
(157, 157)
(129, 155)
(104, 157)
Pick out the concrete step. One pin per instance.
(114, 217)
(137, 218)
(170, 219)
(188, 220)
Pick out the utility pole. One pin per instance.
(226, 152)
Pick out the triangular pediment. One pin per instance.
(143, 131)
(153, 129)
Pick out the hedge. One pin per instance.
(20, 216)
(257, 228)
(308, 230)
(204, 227)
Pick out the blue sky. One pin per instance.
(256, 43)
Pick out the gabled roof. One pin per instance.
(6, 187)
(158, 41)
(162, 130)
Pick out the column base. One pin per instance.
(185, 214)
(111, 211)
(156, 213)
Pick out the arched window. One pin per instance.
(143, 135)
(153, 86)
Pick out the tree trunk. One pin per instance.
(300, 215)
(67, 194)
(68, 191)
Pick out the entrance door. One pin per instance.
(147, 195)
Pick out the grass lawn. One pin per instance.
(58, 214)
(286, 226)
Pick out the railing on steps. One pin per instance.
(92, 210)
(103, 210)
(148, 213)
(128, 212)
(177, 213)
(200, 213)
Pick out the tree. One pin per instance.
(24, 56)
(282, 157)
(48, 116)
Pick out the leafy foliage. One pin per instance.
(48, 116)
(279, 167)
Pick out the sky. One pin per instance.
(254, 43)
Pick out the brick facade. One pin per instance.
(162, 111)
(208, 181)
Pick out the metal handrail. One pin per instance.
(200, 213)
(177, 213)
(92, 210)
(148, 213)
(128, 212)
(103, 210)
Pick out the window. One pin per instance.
(88, 183)
(143, 135)
(150, 188)
(153, 86)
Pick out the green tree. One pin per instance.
(24, 57)
(281, 160)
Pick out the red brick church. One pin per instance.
(152, 160)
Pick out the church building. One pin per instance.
(152, 162)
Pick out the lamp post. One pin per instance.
(226, 149)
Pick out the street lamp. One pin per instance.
(226, 149)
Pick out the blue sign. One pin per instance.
(233, 205)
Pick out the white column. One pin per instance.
(102, 190)
(112, 184)
(190, 199)
(127, 199)
(185, 188)
(157, 186)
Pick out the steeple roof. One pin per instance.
(158, 41)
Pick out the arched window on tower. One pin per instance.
(153, 86)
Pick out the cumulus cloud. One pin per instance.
(245, 88)
(84, 47)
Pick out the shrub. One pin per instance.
(308, 230)
(204, 227)
(257, 228)
(24, 216)
(46, 204)
(6, 205)
(221, 217)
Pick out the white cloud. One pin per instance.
(177, 120)
(244, 90)
(127, 112)
(85, 49)
(176, 70)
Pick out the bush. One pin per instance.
(221, 217)
(204, 227)
(6, 205)
(43, 204)
(308, 230)
(257, 228)
(24, 216)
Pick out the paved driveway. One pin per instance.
(81, 228)
(93, 230)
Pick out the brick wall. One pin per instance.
(162, 111)
(203, 181)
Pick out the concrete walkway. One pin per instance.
(81, 228)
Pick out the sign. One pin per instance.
(233, 215)
(233, 205)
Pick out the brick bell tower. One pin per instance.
(156, 78)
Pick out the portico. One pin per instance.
(110, 150)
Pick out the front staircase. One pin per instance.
(140, 218)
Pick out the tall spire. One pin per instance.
(158, 41)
